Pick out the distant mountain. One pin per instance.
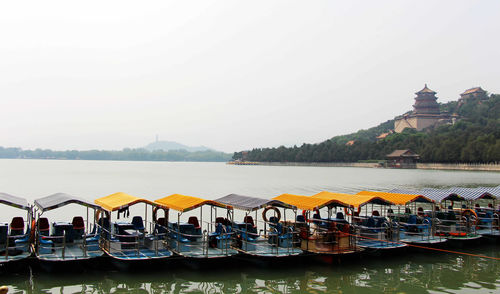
(169, 145)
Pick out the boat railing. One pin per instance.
(182, 242)
(456, 227)
(423, 231)
(10, 244)
(488, 223)
(114, 242)
(329, 236)
(377, 231)
(48, 244)
(274, 239)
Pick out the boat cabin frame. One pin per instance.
(15, 237)
(62, 241)
(197, 238)
(268, 235)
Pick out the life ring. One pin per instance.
(276, 212)
(304, 214)
(470, 215)
(347, 211)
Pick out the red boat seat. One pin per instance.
(194, 221)
(17, 223)
(78, 223)
(249, 220)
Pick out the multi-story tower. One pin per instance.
(425, 112)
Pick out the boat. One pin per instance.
(456, 223)
(331, 238)
(60, 244)
(374, 230)
(134, 241)
(270, 238)
(16, 236)
(193, 235)
(417, 226)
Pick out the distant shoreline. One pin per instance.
(495, 167)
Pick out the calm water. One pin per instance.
(429, 272)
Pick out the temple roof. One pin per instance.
(425, 90)
(402, 153)
(473, 90)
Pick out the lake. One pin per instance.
(424, 272)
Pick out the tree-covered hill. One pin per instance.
(474, 138)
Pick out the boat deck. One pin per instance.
(266, 249)
(200, 250)
(379, 244)
(422, 240)
(71, 252)
(13, 257)
(144, 253)
(488, 232)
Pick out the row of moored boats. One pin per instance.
(190, 228)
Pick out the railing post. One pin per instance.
(64, 244)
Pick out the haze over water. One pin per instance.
(417, 273)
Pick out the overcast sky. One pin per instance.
(231, 75)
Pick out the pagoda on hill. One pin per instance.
(426, 102)
(425, 113)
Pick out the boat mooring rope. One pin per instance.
(428, 248)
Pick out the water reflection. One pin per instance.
(410, 273)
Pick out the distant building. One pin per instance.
(402, 159)
(473, 93)
(384, 135)
(425, 113)
(350, 143)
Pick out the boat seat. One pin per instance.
(340, 215)
(286, 239)
(249, 220)
(17, 226)
(161, 225)
(220, 220)
(78, 223)
(44, 245)
(24, 242)
(193, 220)
(78, 227)
(43, 226)
(375, 213)
(300, 219)
(4, 231)
(138, 223)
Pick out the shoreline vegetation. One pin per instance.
(474, 138)
(493, 167)
(126, 154)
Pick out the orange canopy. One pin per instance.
(354, 201)
(397, 198)
(185, 203)
(306, 202)
(118, 201)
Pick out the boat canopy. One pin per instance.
(14, 201)
(398, 198)
(354, 201)
(437, 195)
(61, 199)
(118, 201)
(251, 203)
(185, 203)
(306, 202)
(472, 194)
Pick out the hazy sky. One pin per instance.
(231, 75)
